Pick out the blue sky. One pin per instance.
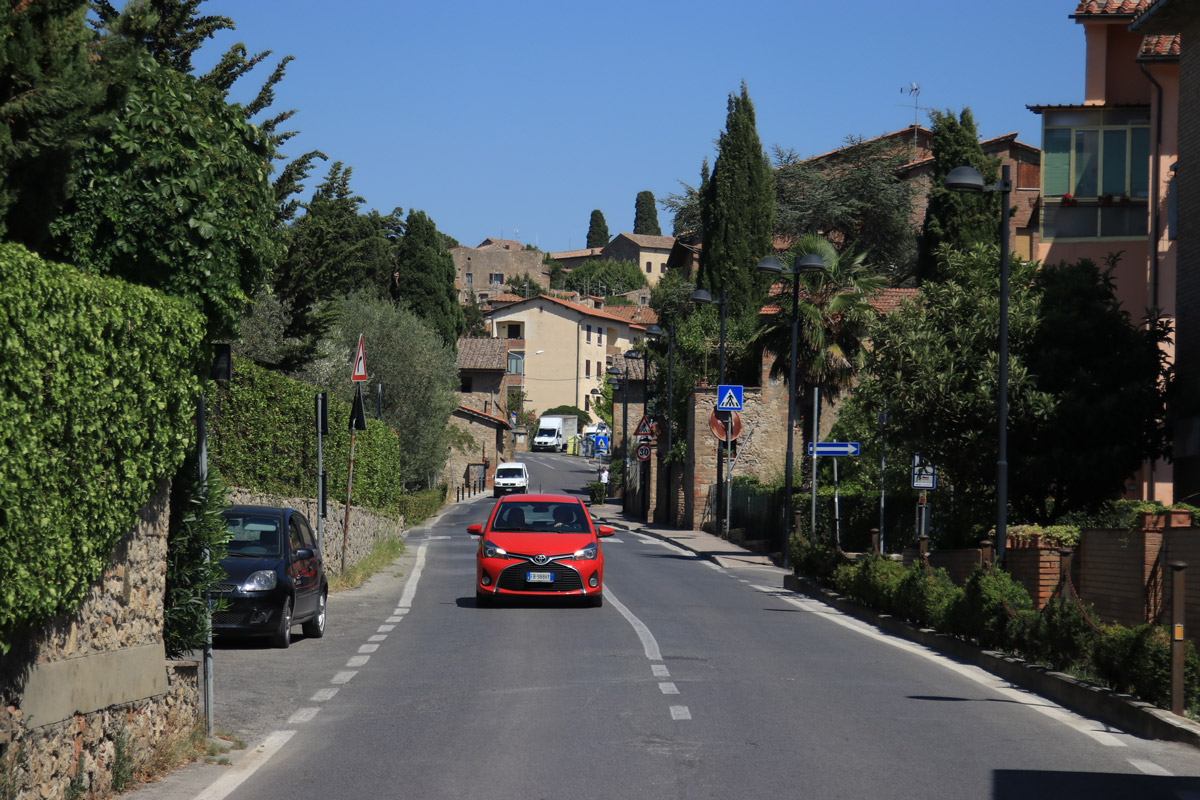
(526, 116)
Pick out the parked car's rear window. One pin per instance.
(253, 535)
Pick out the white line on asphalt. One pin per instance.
(680, 712)
(436, 538)
(323, 694)
(649, 644)
(368, 648)
(303, 715)
(378, 637)
(343, 677)
(665, 545)
(613, 540)
(410, 587)
(660, 670)
(227, 783)
(386, 628)
(713, 565)
(666, 687)
(358, 661)
(976, 674)
(1150, 768)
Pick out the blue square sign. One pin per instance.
(729, 398)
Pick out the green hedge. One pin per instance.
(262, 436)
(420, 506)
(97, 397)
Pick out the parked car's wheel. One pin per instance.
(482, 599)
(315, 627)
(283, 634)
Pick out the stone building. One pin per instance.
(483, 271)
(482, 414)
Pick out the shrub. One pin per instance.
(1138, 661)
(872, 581)
(420, 506)
(982, 611)
(924, 596)
(1059, 635)
(596, 492)
(818, 563)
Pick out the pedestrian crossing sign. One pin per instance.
(729, 398)
(643, 427)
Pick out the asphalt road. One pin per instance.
(693, 681)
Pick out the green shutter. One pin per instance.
(1056, 162)
(1114, 162)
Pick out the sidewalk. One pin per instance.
(706, 545)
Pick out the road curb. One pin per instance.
(1119, 710)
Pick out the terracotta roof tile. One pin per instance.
(646, 240)
(885, 302)
(475, 412)
(482, 352)
(1164, 46)
(639, 314)
(1110, 8)
(590, 312)
(591, 251)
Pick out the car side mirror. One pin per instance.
(302, 554)
(475, 530)
(605, 530)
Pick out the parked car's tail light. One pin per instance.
(261, 581)
(587, 553)
(490, 550)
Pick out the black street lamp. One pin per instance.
(771, 266)
(621, 378)
(701, 297)
(967, 179)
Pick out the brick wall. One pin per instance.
(1187, 288)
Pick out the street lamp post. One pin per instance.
(621, 378)
(967, 179)
(771, 266)
(701, 297)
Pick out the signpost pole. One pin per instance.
(816, 434)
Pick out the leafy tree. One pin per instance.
(419, 376)
(558, 274)
(605, 276)
(957, 219)
(425, 279)
(48, 93)
(645, 215)
(597, 235)
(857, 200)
(685, 208)
(474, 323)
(737, 212)
(567, 410)
(523, 285)
(1077, 365)
(171, 31)
(176, 198)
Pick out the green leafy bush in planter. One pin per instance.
(818, 563)
(872, 581)
(1059, 635)
(596, 492)
(924, 596)
(1138, 661)
(982, 611)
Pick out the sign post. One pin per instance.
(358, 422)
(729, 399)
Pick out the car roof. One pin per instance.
(504, 464)
(540, 498)
(248, 509)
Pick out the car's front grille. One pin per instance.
(566, 579)
(230, 618)
(226, 587)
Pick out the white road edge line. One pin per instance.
(410, 586)
(303, 715)
(649, 643)
(976, 674)
(227, 783)
(1150, 768)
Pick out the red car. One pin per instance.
(539, 545)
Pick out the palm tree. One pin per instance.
(834, 313)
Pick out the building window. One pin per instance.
(497, 278)
(589, 334)
(514, 331)
(649, 267)
(1095, 173)
(587, 403)
(465, 388)
(470, 278)
(516, 363)
(599, 336)
(587, 368)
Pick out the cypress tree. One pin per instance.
(597, 230)
(426, 278)
(737, 211)
(645, 215)
(957, 219)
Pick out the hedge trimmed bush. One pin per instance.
(420, 506)
(925, 596)
(1138, 661)
(97, 397)
(981, 612)
(262, 436)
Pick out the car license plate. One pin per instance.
(539, 577)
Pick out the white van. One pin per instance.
(511, 478)
(549, 434)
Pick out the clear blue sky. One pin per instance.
(499, 116)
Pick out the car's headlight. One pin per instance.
(261, 581)
(490, 550)
(587, 553)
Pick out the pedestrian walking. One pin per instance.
(604, 479)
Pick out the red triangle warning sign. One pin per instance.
(360, 362)
(643, 427)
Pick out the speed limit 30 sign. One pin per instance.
(643, 452)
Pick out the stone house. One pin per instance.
(648, 252)
(482, 414)
(482, 272)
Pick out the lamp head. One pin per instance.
(653, 332)
(964, 179)
(701, 297)
(770, 266)
(809, 263)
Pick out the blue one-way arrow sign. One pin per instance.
(729, 397)
(834, 448)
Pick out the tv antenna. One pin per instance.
(915, 90)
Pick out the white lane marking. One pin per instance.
(660, 670)
(378, 637)
(358, 661)
(368, 648)
(680, 712)
(322, 695)
(386, 628)
(394, 619)
(714, 565)
(667, 687)
(225, 785)
(435, 538)
(410, 586)
(1150, 768)
(975, 674)
(649, 643)
(303, 715)
(343, 677)
(612, 540)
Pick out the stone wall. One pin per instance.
(76, 684)
(367, 528)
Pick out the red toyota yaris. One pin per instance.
(539, 545)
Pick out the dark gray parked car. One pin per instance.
(275, 577)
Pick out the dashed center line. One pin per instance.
(303, 715)
(680, 712)
(668, 688)
(358, 661)
(322, 695)
(343, 677)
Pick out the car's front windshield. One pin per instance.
(510, 472)
(253, 535)
(541, 517)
